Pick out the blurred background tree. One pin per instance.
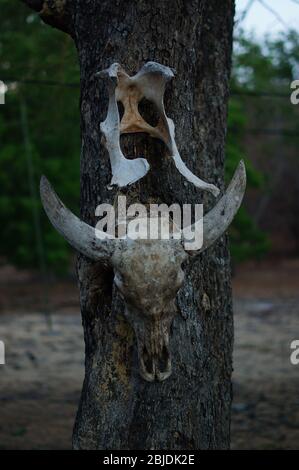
(39, 133)
(263, 126)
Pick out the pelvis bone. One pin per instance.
(148, 273)
(148, 83)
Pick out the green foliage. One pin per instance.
(269, 66)
(29, 49)
(247, 240)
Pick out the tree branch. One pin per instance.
(56, 13)
(274, 13)
(245, 12)
(36, 5)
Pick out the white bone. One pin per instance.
(148, 83)
(181, 167)
(217, 220)
(80, 235)
(99, 246)
(124, 172)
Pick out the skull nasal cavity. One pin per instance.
(163, 360)
(149, 112)
(148, 361)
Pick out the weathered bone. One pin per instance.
(148, 83)
(217, 221)
(124, 171)
(80, 235)
(148, 273)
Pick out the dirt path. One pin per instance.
(41, 381)
(40, 384)
(266, 385)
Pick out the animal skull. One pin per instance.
(149, 305)
(148, 273)
(148, 83)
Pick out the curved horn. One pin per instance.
(217, 221)
(80, 235)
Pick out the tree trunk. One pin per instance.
(191, 409)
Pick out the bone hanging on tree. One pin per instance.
(148, 83)
(148, 273)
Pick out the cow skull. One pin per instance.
(148, 83)
(148, 273)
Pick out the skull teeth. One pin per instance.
(154, 358)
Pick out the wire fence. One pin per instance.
(234, 92)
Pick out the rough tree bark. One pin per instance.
(118, 409)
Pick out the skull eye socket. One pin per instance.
(149, 112)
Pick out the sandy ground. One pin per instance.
(41, 381)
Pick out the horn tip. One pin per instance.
(44, 184)
(242, 164)
(242, 169)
